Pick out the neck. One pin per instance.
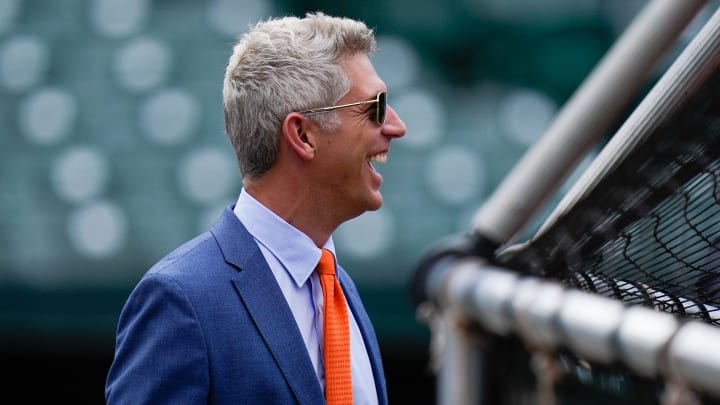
(295, 202)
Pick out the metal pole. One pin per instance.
(460, 374)
(548, 316)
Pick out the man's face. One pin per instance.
(346, 157)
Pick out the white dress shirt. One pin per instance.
(292, 257)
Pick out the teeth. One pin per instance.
(379, 158)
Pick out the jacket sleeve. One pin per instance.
(160, 353)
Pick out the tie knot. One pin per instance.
(327, 263)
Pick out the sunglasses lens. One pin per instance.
(381, 107)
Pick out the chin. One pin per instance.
(369, 201)
(375, 203)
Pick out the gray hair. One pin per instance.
(283, 65)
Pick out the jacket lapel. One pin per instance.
(368, 333)
(260, 294)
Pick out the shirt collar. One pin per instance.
(290, 246)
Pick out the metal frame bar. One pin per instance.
(548, 316)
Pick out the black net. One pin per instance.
(649, 232)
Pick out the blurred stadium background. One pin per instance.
(112, 152)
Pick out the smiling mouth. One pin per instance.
(378, 158)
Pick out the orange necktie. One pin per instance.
(336, 332)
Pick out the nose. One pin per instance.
(393, 127)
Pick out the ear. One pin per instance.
(297, 133)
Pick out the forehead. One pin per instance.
(365, 81)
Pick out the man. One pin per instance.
(236, 314)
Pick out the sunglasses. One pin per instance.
(380, 100)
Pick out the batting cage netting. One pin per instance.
(649, 232)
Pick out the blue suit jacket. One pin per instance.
(209, 324)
